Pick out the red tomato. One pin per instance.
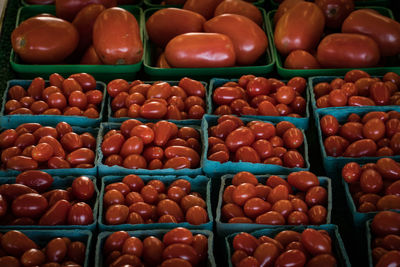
(300, 59)
(29, 205)
(360, 148)
(83, 188)
(241, 8)
(187, 51)
(108, 42)
(351, 172)
(329, 125)
(49, 50)
(335, 11)
(80, 214)
(205, 8)
(315, 242)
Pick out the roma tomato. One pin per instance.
(165, 24)
(249, 40)
(241, 8)
(80, 214)
(67, 9)
(116, 37)
(306, 16)
(301, 59)
(335, 11)
(361, 148)
(200, 50)
(385, 31)
(205, 8)
(83, 188)
(44, 40)
(348, 50)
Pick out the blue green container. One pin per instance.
(82, 121)
(59, 183)
(111, 118)
(368, 235)
(312, 81)
(288, 73)
(264, 65)
(58, 172)
(338, 248)
(120, 170)
(333, 165)
(100, 72)
(225, 229)
(43, 237)
(215, 168)
(142, 234)
(301, 123)
(200, 184)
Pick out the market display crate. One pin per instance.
(338, 248)
(333, 165)
(120, 170)
(111, 118)
(142, 234)
(58, 172)
(200, 184)
(100, 72)
(7, 120)
(312, 81)
(301, 123)
(58, 183)
(215, 168)
(287, 73)
(42, 237)
(224, 228)
(158, 3)
(265, 64)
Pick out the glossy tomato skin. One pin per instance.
(301, 59)
(205, 8)
(165, 24)
(67, 9)
(200, 50)
(335, 11)
(249, 40)
(385, 31)
(44, 40)
(241, 8)
(116, 37)
(348, 50)
(80, 214)
(306, 16)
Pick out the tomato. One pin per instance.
(246, 242)
(322, 259)
(205, 8)
(248, 39)
(29, 205)
(390, 258)
(8, 138)
(183, 251)
(352, 131)
(188, 50)
(169, 207)
(382, 29)
(283, 7)
(388, 168)
(241, 8)
(315, 242)
(374, 129)
(306, 16)
(22, 163)
(335, 11)
(16, 243)
(293, 138)
(47, 50)
(181, 151)
(300, 59)
(302, 180)
(329, 125)
(69, 9)
(152, 250)
(338, 51)
(33, 256)
(83, 188)
(292, 257)
(293, 159)
(153, 110)
(360, 148)
(165, 24)
(56, 250)
(108, 42)
(242, 136)
(57, 214)
(37, 180)
(81, 156)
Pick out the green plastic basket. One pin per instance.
(287, 73)
(215, 168)
(333, 165)
(338, 248)
(114, 170)
(225, 229)
(157, 3)
(142, 234)
(42, 237)
(200, 184)
(83, 121)
(264, 65)
(58, 172)
(111, 118)
(100, 72)
(59, 183)
(301, 123)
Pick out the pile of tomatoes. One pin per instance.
(288, 248)
(375, 134)
(33, 146)
(19, 249)
(178, 247)
(159, 100)
(134, 202)
(300, 36)
(74, 96)
(30, 202)
(252, 95)
(385, 246)
(299, 199)
(358, 88)
(257, 142)
(374, 186)
(159, 145)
